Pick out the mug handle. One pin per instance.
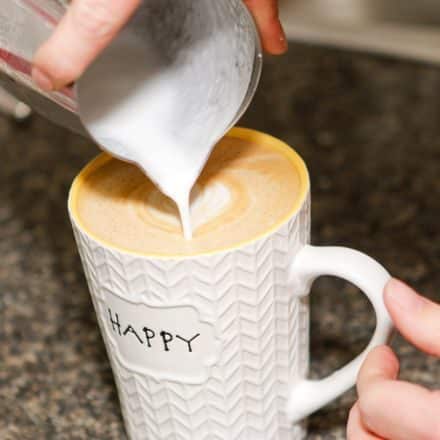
(307, 396)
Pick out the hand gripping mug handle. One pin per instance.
(307, 396)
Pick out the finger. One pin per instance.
(355, 428)
(392, 409)
(381, 365)
(266, 16)
(85, 30)
(417, 318)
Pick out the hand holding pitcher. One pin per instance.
(90, 25)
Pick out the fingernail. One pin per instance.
(42, 80)
(403, 296)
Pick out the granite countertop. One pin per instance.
(367, 126)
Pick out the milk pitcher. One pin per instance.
(26, 24)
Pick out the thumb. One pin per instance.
(417, 318)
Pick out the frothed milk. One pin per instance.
(164, 95)
(244, 190)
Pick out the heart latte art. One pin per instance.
(244, 191)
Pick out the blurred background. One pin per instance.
(362, 109)
(397, 27)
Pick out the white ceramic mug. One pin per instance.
(216, 346)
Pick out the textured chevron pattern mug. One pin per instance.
(215, 345)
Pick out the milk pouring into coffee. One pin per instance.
(244, 190)
(165, 91)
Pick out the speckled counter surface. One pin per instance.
(369, 129)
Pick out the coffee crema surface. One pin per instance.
(244, 191)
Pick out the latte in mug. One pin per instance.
(209, 337)
(245, 190)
